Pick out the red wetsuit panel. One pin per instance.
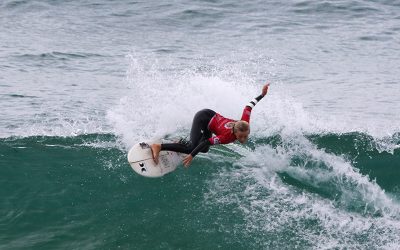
(222, 127)
(246, 114)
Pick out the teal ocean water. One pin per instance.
(79, 192)
(82, 81)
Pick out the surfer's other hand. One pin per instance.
(265, 89)
(187, 160)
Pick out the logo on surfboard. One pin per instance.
(143, 169)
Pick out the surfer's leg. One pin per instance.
(177, 147)
(200, 127)
(197, 132)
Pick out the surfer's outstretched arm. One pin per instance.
(247, 110)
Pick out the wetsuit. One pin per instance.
(205, 123)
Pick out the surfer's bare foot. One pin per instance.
(155, 149)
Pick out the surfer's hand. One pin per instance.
(265, 89)
(187, 160)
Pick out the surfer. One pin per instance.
(207, 122)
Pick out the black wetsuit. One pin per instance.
(199, 133)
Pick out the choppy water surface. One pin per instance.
(82, 81)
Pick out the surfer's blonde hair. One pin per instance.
(241, 126)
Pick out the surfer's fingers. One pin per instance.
(186, 162)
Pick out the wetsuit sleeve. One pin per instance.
(199, 147)
(247, 110)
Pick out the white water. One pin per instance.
(159, 100)
(361, 215)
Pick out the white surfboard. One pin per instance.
(141, 160)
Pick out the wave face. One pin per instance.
(338, 190)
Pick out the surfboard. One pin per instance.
(141, 160)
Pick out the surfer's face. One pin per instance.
(242, 136)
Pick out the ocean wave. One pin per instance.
(276, 186)
(376, 159)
